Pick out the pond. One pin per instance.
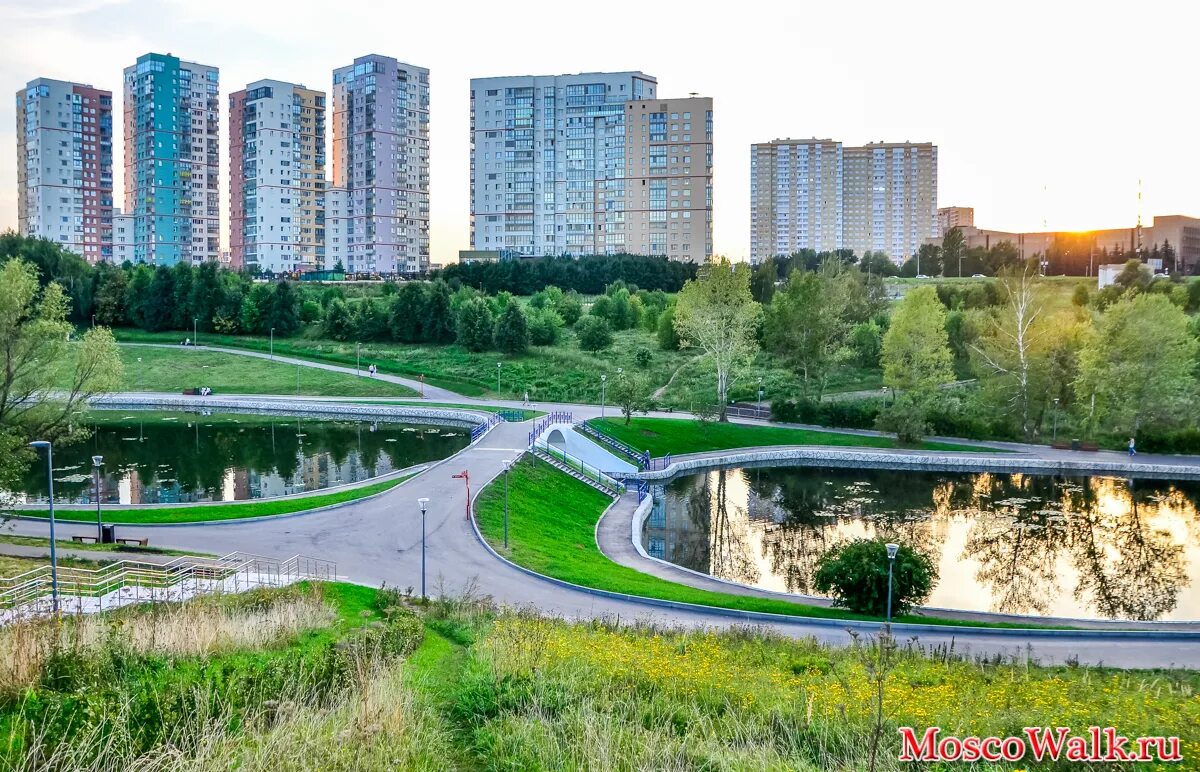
(1083, 547)
(153, 457)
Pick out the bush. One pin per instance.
(545, 326)
(907, 418)
(855, 575)
(511, 333)
(594, 334)
(846, 414)
(643, 357)
(1180, 441)
(668, 339)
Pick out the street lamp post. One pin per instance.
(1055, 437)
(195, 334)
(498, 378)
(96, 462)
(50, 490)
(272, 343)
(357, 358)
(297, 380)
(760, 395)
(892, 549)
(507, 465)
(423, 502)
(139, 374)
(603, 381)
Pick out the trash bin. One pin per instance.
(108, 534)
(1075, 444)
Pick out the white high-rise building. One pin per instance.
(820, 195)
(381, 160)
(277, 177)
(548, 160)
(64, 166)
(122, 237)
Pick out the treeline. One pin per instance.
(585, 275)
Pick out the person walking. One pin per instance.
(1132, 447)
(526, 402)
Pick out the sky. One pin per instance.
(1044, 113)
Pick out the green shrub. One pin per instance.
(855, 575)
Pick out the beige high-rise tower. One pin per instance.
(817, 194)
(668, 178)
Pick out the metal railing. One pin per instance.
(588, 471)
(83, 590)
(545, 422)
(761, 413)
(638, 456)
(657, 464)
(481, 429)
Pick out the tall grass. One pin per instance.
(183, 629)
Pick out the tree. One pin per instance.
(1011, 348)
(929, 260)
(545, 326)
(716, 313)
(855, 575)
(668, 339)
(878, 264)
(631, 393)
(762, 284)
(337, 323)
(158, 307)
(1139, 365)
(570, 308)
(916, 360)
(408, 313)
(594, 333)
(110, 296)
(809, 323)
(475, 325)
(439, 317)
(511, 334)
(954, 247)
(39, 362)
(370, 320)
(283, 309)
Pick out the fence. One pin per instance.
(640, 457)
(482, 429)
(761, 413)
(657, 464)
(585, 469)
(124, 582)
(545, 422)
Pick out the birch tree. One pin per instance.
(716, 313)
(1011, 348)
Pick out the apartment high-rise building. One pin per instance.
(667, 183)
(549, 173)
(822, 195)
(795, 196)
(277, 177)
(122, 237)
(381, 164)
(64, 166)
(955, 217)
(172, 137)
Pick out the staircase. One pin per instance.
(126, 582)
(584, 473)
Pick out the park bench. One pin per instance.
(142, 542)
(1061, 445)
(85, 539)
(1089, 446)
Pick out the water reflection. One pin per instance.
(1022, 544)
(159, 457)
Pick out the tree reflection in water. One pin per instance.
(1008, 543)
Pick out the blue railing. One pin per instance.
(643, 490)
(544, 423)
(657, 464)
(481, 429)
(639, 456)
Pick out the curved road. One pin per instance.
(379, 540)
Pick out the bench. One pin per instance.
(1061, 445)
(83, 539)
(133, 540)
(1089, 446)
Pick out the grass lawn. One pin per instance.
(15, 565)
(526, 413)
(107, 551)
(176, 369)
(661, 436)
(203, 512)
(552, 521)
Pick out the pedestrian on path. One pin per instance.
(526, 402)
(1132, 447)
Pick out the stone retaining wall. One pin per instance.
(931, 462)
